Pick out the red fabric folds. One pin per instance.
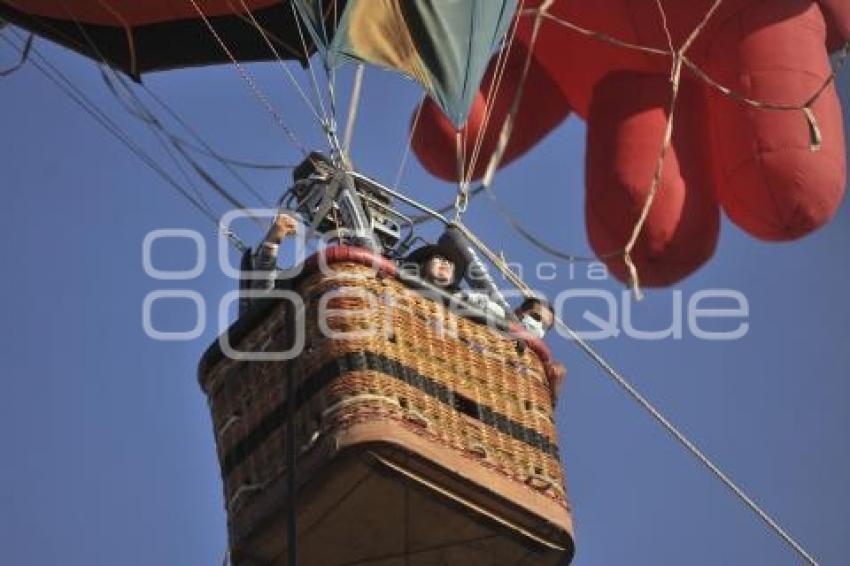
(755, 164)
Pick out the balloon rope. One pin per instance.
(642, 401)
(128, 31)
(265, 35)
(292, 50)
(139, 110)
(680, 60)
(667, 34)
(634, 277)
(655, 184)
(493, 89)
(844, 52)
(136, 108)
(406, 153)
(52, 73)
(25, 53)
(508, 126)
(249, 80)
(132, 104)
(462, 198)
(594, 34)
(328, 124)
(805, 108)
(496, 259)
(680, 437)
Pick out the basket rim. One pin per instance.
(259, 311)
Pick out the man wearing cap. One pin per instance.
(440, 265)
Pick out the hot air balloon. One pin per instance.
(776, 174)
(363, 414)
(430, 440)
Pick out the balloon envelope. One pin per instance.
(152, 35)
(445, 45)
(759, 166)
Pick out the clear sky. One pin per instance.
(108, 454)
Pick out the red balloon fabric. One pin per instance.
(756, 164)
(626, 125)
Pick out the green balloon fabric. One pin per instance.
(443, 44)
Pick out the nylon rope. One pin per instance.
(240, 163)
(128, 31)
(497, 260)
(593, 34)
(330, 76)
(207, 150)
(465, 173)
(526, 234)
(210, 180)
(224, 161)
(844, 51)
(70, 90)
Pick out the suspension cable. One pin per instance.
(225, 162)
(508, 125)
(25, 53)
(406, 152)
(683, 440)
(328, 125)
(500, 263)
(493, 91)
(54, 75)
(136, 107)
(263, 33)
(249, 80)
(535, 241)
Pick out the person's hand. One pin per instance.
(284, 225)
(559, 373)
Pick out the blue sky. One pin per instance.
(108, 452)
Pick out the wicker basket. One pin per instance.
(395, 389)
